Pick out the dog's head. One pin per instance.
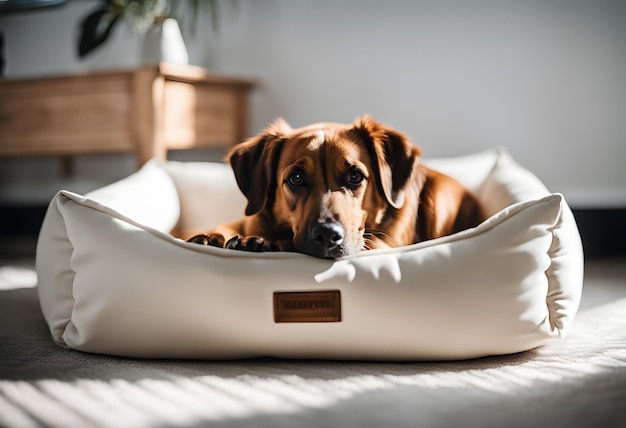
(323, 185)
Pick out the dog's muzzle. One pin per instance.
(325, 239)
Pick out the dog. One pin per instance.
(333, 190)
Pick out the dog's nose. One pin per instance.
(327, 234)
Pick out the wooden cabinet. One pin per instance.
(145, 111)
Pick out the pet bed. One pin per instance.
(113, 280)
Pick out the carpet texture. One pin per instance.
(577, 382)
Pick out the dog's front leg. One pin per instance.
(243, 243)
(210, 239)
(251, 243)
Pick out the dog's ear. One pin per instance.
(254, 163)
(393, 154)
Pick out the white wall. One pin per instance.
(546, 79)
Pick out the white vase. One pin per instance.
(164, 43)
(129, 49)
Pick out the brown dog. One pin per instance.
(330, 190)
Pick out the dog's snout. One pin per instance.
(327, 235)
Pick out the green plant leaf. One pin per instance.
(95, 30)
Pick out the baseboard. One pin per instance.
(19, 229)
(603, 230)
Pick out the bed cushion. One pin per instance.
(113, 280)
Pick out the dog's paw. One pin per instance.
(211, 239)
(251, 243)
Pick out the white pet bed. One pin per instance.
(112, 280)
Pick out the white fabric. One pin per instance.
(109, 283)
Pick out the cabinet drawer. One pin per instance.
(65, 115)
(200, 115)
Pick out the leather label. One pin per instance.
(307, 306)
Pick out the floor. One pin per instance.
(605, 281)
(579, 382)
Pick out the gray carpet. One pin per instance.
(577, 382)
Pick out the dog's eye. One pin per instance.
(295, 180)
(355, 177)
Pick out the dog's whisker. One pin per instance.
(375, 232)
(378, 233)
(368, 244)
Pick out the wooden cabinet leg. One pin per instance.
(65, 166)
(147, 115)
